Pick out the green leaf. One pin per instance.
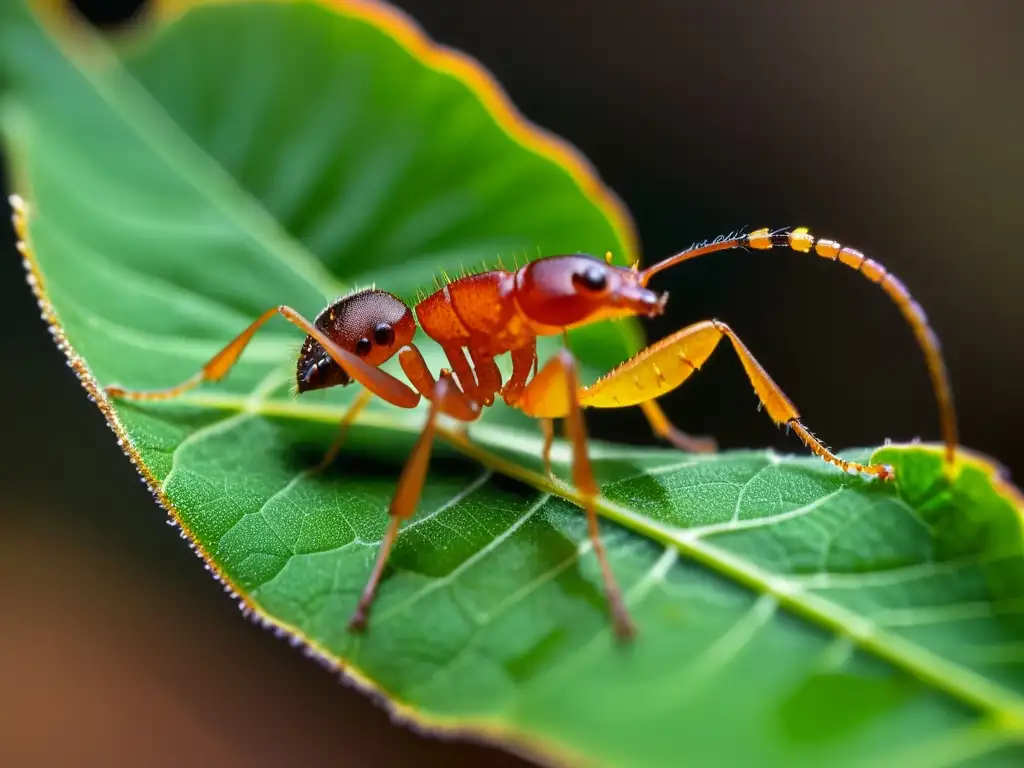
(240, 156)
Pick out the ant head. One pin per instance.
(372, 324)
(565, 291)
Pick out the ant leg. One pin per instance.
(523, 360)
(456, 403)
(666, 430)
(463, 371)
(382, 384)
(214, 370)
(557, 385)
(488, 374)
(346, 421)
(665, 365)
(547, 428)
(446, 397)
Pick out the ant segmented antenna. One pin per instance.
(802, 241)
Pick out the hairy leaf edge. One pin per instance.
(978, 692)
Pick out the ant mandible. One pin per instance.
(498, 312)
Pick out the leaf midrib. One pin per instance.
(1005, 707)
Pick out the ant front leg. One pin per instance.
(554, 393)
(665, 365)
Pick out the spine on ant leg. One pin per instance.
(802, 241)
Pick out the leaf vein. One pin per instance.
(464, 566)
(760, 522)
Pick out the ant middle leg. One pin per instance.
(361, 401)
(665, 365)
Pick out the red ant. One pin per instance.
(500, 312)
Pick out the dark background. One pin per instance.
(894, 127)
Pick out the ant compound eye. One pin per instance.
(593, 279)
(384, 334)
(363, 347)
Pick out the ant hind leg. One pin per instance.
(547, 428)
(668, 363)
(666, 430)
(556, 387)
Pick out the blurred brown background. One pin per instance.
(894, 127)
